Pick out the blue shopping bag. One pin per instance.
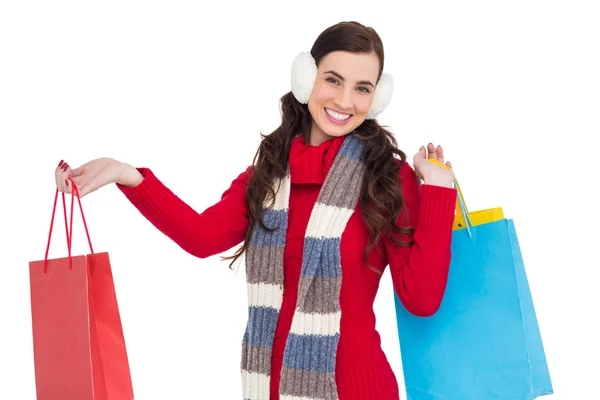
(484, 343)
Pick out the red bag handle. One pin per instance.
(68, 226)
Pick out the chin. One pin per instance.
(335, 131)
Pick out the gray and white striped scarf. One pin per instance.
(310, 352)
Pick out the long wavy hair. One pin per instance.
(381, 197)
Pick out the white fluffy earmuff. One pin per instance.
(304, 73)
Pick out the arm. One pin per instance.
(420, 272)
(216, 229)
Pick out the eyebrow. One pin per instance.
(343, 80)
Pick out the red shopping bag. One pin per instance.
(79, 347)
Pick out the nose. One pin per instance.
(345, 99)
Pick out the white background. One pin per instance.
(510, 89)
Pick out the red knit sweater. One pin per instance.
(418, 272)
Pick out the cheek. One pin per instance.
(322, 93)
(363, 103)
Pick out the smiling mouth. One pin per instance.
(340, 117)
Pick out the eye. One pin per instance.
(333, 80)
(364, 89)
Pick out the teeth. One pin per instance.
(338, 116)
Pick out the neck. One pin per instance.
(317, 136)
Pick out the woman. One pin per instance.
(345, 209)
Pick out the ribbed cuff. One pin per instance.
(151, 197)
(437, 208)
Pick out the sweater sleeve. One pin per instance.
(420, 271)
(216, 229)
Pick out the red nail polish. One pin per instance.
(61, 163)
(67, 182)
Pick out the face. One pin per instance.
(342, 94)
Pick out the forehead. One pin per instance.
(352, 66)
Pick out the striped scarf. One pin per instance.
(310, 352)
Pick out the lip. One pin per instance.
(335, 121)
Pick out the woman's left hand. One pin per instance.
(429, 172)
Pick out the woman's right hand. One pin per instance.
(95, 174)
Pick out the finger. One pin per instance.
(60, 183)
(63, 181)
(59, 177)
(68, 172)
(81, 184)
(66, 184)
(76, 188)
(68, 169)
(449, 164)
(57, 171)
(78, 171)
(78, 180)
(440, 154)
(64, 167)
(420, 153)
(431, 150)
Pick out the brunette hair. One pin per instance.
(381, 197)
